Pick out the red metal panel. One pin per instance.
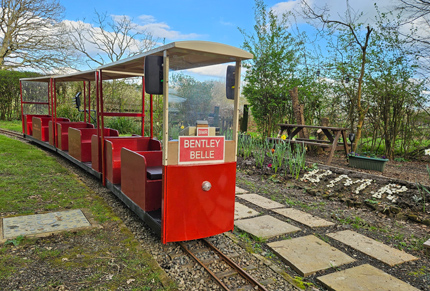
(189, 212)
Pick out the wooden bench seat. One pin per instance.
(28, 122)
(113, 146)
(310, 142)
(62, 137)
(80, 142)
(141, 177)
(41, 127)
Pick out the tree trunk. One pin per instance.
(298, 110)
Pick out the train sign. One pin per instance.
(202, 131)
(201, 149)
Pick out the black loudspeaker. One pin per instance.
(229, 82)
(154, 75)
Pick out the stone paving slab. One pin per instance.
(303, 217)
(261, 201)
(42, 223)
(265, 226)
(309, 254)
(427, 247)
(364, 277)
(240, 190)
(373, 248)
(241, 211)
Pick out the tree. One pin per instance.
(391, 84)
(9, 93)
(351, 34)
(31, 35)
(113, 37)
(272, 72)
(197, 95)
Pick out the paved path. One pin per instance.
(42, 223)
(309, 254)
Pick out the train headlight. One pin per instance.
(206, 186)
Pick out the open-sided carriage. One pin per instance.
(180, 179)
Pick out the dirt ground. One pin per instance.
(402, 223)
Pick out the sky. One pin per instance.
(208, 20)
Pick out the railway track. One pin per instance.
(11, 133)
(225, 271)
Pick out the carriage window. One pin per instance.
(35, 97)
(198, 104)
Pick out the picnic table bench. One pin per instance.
(332, 133)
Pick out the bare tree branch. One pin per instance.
(110, 39)
(31, 35)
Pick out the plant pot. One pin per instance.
(367, 163)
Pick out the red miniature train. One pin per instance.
(182, 184)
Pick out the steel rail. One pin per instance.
(184, 247)
(227, 260)
(11, 133)
(232, 264)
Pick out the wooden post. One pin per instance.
(321, 135)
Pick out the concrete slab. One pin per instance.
(241, 211)
(373, 248)
(303, 217)
(265, 226)
(261, 201)
(240, 190)
(309, 254)
(42, 223)
(364, 277)
(427, 247)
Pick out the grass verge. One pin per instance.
(105, 258)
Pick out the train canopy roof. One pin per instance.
(182, 55)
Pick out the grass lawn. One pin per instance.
(105, 258)
(15, 125)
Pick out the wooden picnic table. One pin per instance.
(332, 134)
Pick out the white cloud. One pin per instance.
(162, 30)
(146, 18)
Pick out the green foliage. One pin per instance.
(390, 82)
(299, 282)
(261, 147)
(197, 94)
(296, 156)
(279, 156)
(10, 104)
(271, 74)
(125, 125)
(69, 112)
(16, 241)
